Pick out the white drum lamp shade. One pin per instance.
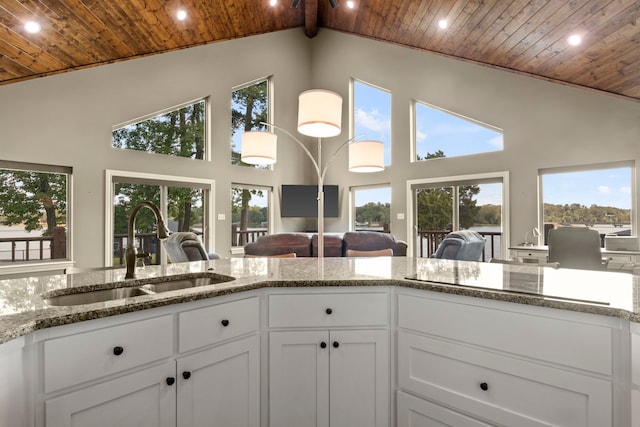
(259, 148)
(319, 113)
(366, 156)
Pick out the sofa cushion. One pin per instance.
(280, 243)
(332, 245)
(372, 241)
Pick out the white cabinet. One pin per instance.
(329, 378)
(503, 364)
(129, 373)
(635, 374)
(143, 399)
(322, 371)
(221, 385)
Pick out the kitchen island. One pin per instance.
(552, 335)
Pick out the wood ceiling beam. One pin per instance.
(311, 18)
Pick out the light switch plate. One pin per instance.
(221, 217)
(400, 216)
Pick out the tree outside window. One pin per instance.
(249, 107)
(180, 133)
(33, 212)
(249, 213)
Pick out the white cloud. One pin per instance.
(373, 121)
(625, 190)
(421, 136)
(604, 189)
(496, 142)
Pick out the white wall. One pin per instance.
(545, 124)
(67, 120)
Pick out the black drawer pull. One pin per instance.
(484, 386)
(323, 344)
(170, 380)
(186, 375)
(328, 311)
(336, 344)
(117, 350)
(225, 322)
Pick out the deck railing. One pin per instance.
(429, 240)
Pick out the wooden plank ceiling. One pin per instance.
(524, 36)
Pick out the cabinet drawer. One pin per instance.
(502, 389)
(414, 412)
(328, 310)
(89, 355)
(209, 325)
(561, 341)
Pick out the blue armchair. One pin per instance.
(464, 245)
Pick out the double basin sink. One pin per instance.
(157, 287)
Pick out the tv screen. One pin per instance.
(302, 201)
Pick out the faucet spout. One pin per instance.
(131, 254)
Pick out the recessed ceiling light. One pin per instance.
(574, 40)
(32, 27)
(443, 23)
(272, 3)
(351, 4)
(181, 15)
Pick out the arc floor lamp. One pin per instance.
(319, 116)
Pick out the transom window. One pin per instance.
(440, 133)
(596, 196)
(249, 107)
(372, 115)
(179, 132)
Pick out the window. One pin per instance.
(183, 202)
(249, 107)
(460, 203)
(599, 197)
(178, 132)
(440, 133)
(372, 208)
(250, 213)
(372, 115)
(34, 213)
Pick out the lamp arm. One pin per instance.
(306, 150)
(335, 154)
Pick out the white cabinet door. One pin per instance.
(359, 379)
(221, 386)
(141, 399)
(336, 378)
(299, 379)
(14, 394)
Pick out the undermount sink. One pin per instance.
(102, 295)
(91, 297)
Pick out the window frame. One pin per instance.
(352, 117)
(352, 201)
(45, 265)
(162, 180)
(207, 127)
(413, 184)
(270, 210)
(585, 168)
(413, 152)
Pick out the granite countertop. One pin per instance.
(23, 308)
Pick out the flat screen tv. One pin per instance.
(302, 201)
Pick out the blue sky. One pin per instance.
(604, 187)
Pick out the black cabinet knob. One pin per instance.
(186, 375)
(117, 350)
(323, 344)
(484, 386)
(225, 322)
(336, 344)
(170, 380)
(328, 311)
